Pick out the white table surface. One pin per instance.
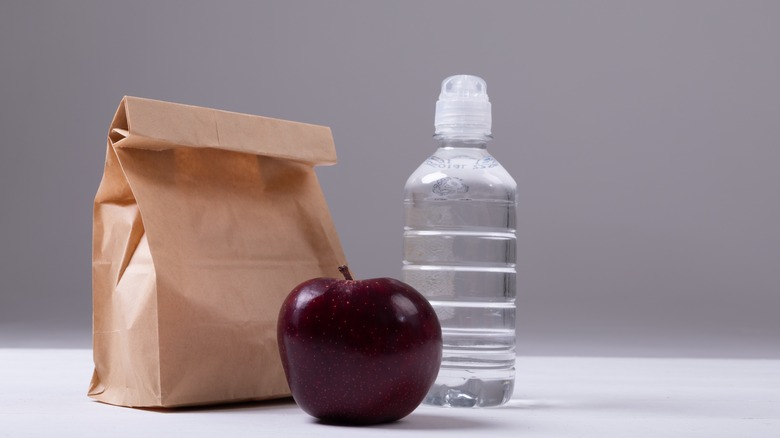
(42, 394)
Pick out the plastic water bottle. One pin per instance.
(459, 249)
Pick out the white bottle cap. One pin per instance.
(463, 109)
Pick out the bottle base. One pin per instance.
(469, 392)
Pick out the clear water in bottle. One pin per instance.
(459, 251)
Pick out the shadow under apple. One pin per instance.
(419, 422)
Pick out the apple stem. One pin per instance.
(345, 272)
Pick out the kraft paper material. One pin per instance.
(204, 221)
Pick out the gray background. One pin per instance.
(644, 137)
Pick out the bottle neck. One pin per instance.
(461, 142)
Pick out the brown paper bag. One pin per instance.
(204, 221)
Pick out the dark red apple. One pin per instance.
(358, 351)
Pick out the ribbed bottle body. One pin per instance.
(460, 252)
